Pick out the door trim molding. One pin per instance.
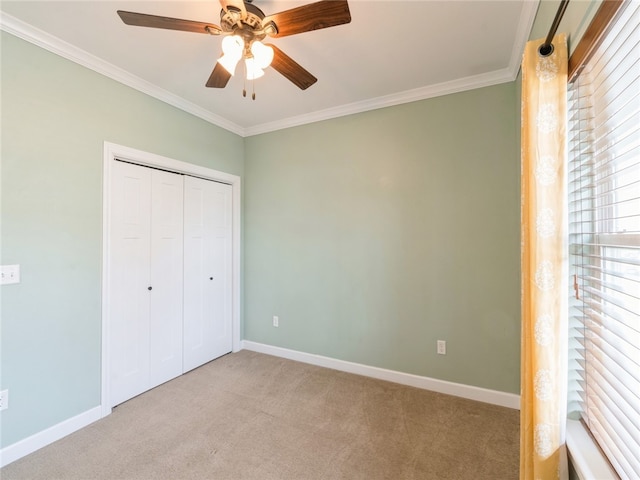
(113, 152)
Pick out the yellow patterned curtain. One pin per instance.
(544, 293)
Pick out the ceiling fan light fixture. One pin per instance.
(243, 26)
(233, 45)
(262, 54)
(253, 69)
(232, 48)
(229, 63)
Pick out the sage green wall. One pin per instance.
(55, 117)
(373, 235)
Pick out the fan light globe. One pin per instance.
(233, 45)
(232, 48)
(262, 53)
(253, 69)
(229, 63)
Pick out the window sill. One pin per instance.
(585, 456)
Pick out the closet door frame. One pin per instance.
(114, 152)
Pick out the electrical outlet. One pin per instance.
(442, 347)
(4, 399)
(275, 321)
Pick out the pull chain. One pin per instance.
(244, 83)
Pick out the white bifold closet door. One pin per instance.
(146, 279)
(207, 271)
(170, 276)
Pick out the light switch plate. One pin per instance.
(4, 399)
(9, 274)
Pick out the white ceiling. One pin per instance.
(392, 52)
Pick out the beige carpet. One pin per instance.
(254, 416)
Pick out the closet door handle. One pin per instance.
(210, 278)
(149, 288)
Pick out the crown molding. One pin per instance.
(55, 45)
(509, 74)
(527, 18)
(423, 93)
(64, 49)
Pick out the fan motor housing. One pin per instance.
(230, 20)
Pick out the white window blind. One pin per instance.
(604, 239)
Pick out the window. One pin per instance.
(604, 242)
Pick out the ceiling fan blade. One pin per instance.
(235, 4)
(154, 21)
(314, 16)
(290, 69)
(219, 77)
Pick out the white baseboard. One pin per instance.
(494, 397)
(42, 439)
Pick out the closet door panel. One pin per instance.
(196, 268)
(129, 237)
(207, 307)
(222, 228)
(166, 276)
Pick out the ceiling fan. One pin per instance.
(245, 26)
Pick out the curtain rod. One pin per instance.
(547, 47)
